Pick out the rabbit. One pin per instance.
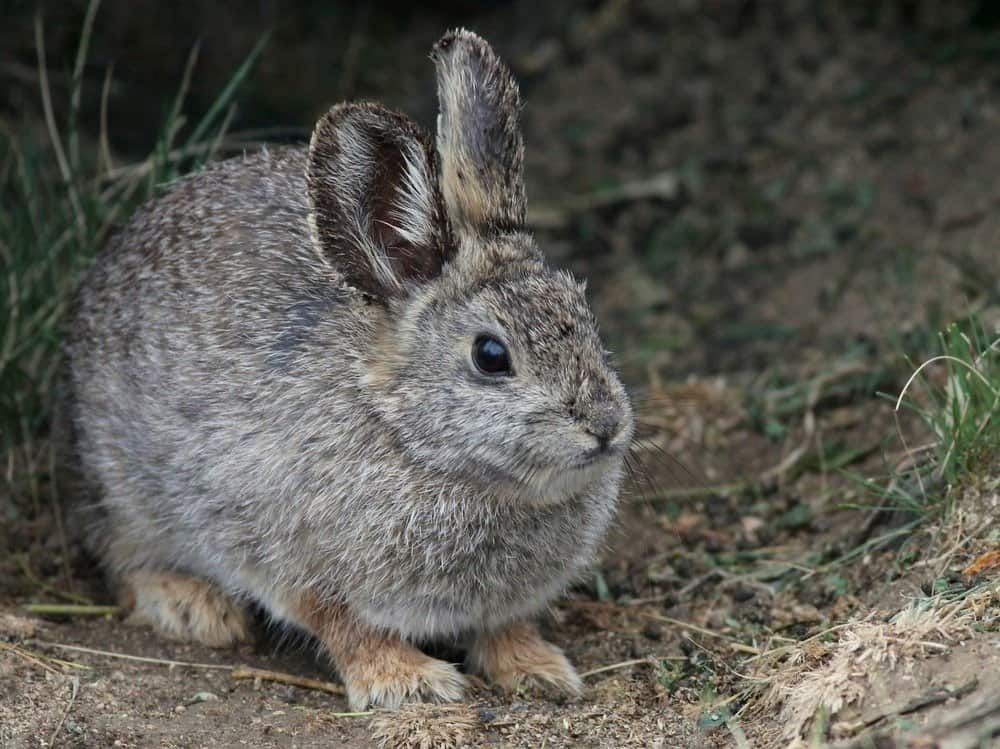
(341, 382)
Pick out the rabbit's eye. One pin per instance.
(490, 356)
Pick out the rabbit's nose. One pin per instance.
(604, 424)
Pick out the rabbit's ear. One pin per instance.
(478, 136)
(377, 211)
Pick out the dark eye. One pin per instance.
(490, 356)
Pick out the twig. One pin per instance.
(799, 643)
(245, 672)
(614, 667)
(237, 672)
(688, 626)
(70, 609)
(75, 683)
(648, 599)
(37, 659)
(937, 696)
(929, 699)
(139, 658)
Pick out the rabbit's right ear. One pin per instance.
(376, 208)
(478, 137)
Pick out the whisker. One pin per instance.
(640, 442)
(640, 475)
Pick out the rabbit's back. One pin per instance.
(187, 338)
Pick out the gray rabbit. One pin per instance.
(342, 382)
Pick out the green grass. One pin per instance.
(62, 196)
(956, 395)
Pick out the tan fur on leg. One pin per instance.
(183, 607)
(379, 670)
(518, 656)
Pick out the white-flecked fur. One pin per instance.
(273, 386)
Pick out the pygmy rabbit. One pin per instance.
(342, 382)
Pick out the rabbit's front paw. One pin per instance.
(517, 657)
(400, 673)
(183, 607)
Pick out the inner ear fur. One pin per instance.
(376, 206)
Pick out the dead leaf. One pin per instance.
(984, 563)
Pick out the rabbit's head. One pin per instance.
(487, 365)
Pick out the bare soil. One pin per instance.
(834, 197)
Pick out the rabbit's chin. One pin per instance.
(554, 485)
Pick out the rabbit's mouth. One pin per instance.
(555, 484)
(606, 450)
(594, 457)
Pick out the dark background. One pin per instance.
(792, 129)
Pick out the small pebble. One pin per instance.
(202, 697)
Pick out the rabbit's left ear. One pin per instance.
(376, 206)
(479, 138)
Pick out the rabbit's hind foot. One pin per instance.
(183, 607)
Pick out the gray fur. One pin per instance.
(254, 404)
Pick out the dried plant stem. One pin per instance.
(237, 672)
(75, 686)
(245, 672)
(138, 658)
(50, 122)
(688, 626)
(70, 609)
(37, 659)
(614, 667)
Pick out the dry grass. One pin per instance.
(419, 726)
(966, 531)
(822, 677)
(13, 627)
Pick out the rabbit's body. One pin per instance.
(233, 465)
(273, 392)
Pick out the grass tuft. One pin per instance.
(956, 395)
(62, 200)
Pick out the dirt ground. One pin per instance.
(772, 202)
